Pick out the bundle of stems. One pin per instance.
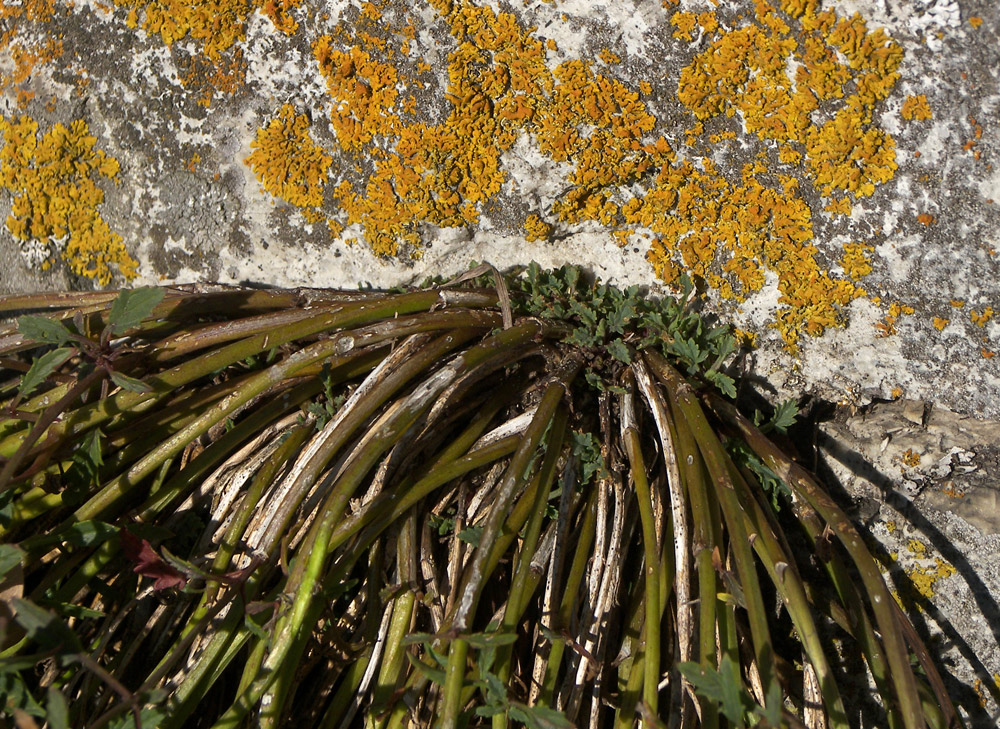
(501, 500)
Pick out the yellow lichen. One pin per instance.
(53, 182)
(774, 71)
(975, 21)
(536, 229)
(217, 25)
(979, 318)
(288, 163)
(609, 57)
(915, 108)
(940, 323)
(855, 261)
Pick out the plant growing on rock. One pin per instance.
(523, 499)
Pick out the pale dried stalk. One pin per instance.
(678, 508)
(603, 600)
(283, 500)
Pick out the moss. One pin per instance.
(287, 162)
(53, 181)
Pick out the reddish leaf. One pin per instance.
(148, 563)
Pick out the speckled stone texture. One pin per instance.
(829, 171)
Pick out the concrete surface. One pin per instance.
(291, 142)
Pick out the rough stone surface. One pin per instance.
(180, 108)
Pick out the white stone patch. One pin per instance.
(897, 265)
(154, 63)
(990, 187)
(278, 72)
(756, 311)
(534, 174)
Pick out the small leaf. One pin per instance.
(131, 307)
(129, 383)
(784, 416)
(10, 557)
(44, 627)
(539, 717)
(434, 674)
(42, 367)
(490, 640)
(148, 563)
(471, 535)
(734, 696)
(43, 330)
(149, 717)
(618, 350)
(56, 709)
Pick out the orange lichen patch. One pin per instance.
(855, 261)
(25, 58)
(910, 458)
(24, 98)
(979, 318)
(536, 229)
(364, 93)
(986, 353)
(887, 327)
(216, 24)
(915, 108)
(839, 206)
(957, 303)
(774, 71)
(940, 323)
(926, 219)
(897, 392)
(53, 181)
(745, 71)
(288, 163)
(975, 21)
(609, 57)
(208, 78)
(684, 24)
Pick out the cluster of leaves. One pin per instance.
(725, 687)
(616, 322)
(493, 698)
(73, 337)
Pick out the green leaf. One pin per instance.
(490, 640)
(725, 383)
(688, 351)
(539, 717)
(42, 367)
(150, 717)
(131, 307)
(43, 330)
(784, 416)
(56, 709)
(129, 383)
(724, 687)
(435, 675)
(618, 350)
(10, 556)
(471, 535)
(44, 627)
(734, 696)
